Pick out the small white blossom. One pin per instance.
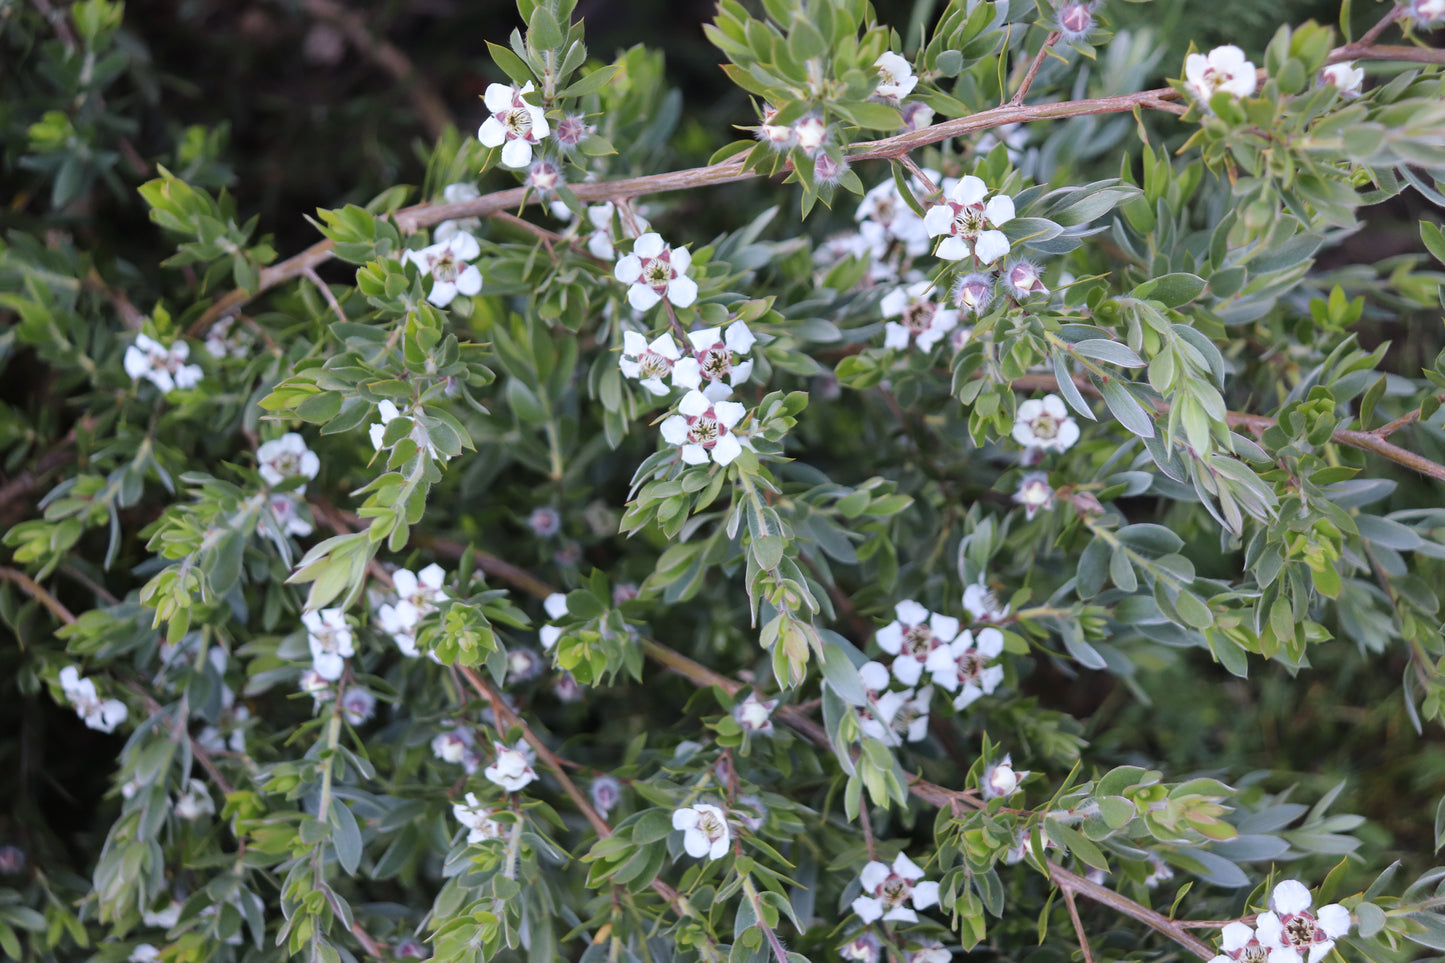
(477, 818)
(1293, 934)
(704, 830)
(890, 717)
(606, 793)
(864, 948)
(387, 411)
(286, 509)
(713, 359)
(1159, 872)
(1240, 945)
(315, 686)
(1034, 493)
(544, 177)
(974, 293)
(456, 194)
(648, 363)
(968, 225)
(924, 321)
(163, 919)
(447, 263)
(1224, 68)
(755, 715)
(930, 951)
(512, 770)
(227, 339)
(556, 607)
(1425, 12)
(1347, 78)
(285, 457)
(523, 665)
(703, 429)
(1001, 779)
(456, 746)
(514, 125)
(895, 77)
(358, 705)
(143, 953)
(810, 134)
(962, 665)
(779, 137)
(97, 713)
(885, 207)
(599, 240)
(912, 638)
(330, 642)
(422, 589)
(887, 891)
(654, 269)
(1044, 424)
(917, 115)
(982, 604)
(162, 366)
(195, 802)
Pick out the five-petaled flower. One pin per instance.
(982, 603)
(330, 642)
(514, 125)
(968, 224)
(1223, 68)
(653, 270)
(477, 818)
(713, 360)
(895, 77)
(703, 429)
(1293, 934)
(1240, 945)
(512, 770)
(164, 367)
(649, 363)
(923, 322)
(962, 665)
(704, 830)
(281, 458)
(913, 637)
(1034, 493)
(1044, 424)
(97, 713)
(887, 891)
(447, 263)
(755, 715)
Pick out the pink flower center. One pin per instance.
(918, 641)
(658, 272)
(1045, 426)
(446, 267)
(968, 219)
(716, 363)
(1076, 18)
(1300, 930)
(650, 364)
(705, 429)
(895, 891)
(918, 315)
(970, 666)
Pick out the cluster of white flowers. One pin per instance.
(477, 819)
(893, 892)
(97, 713)
(165, 367)
(1043, 425)
(956, 661)
(1288, 932)
(194, 802)
(330, 640)
(705, 830)
(655, 270)
(414, 596)
(1034, 493)
(448, 262)
(228, 339)
(892, 716)
(923, 321)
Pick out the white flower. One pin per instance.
(545, 521)
(1425, 12)
(1159, 871)
(456, 194)
(1293, 934)
(226, 339)
(143, 953)
(982, 604)
(477, 818)
(544, 177)
(315, 686)
(895, 77)
(283, 457)
(649, 363)
(162, 366)
(195, 802)
(755, 715)
(454, 745)
(964, 220)
(913, 637)
(1001, 779)
(885, 207)
(286, 508)
(864, 948)
(605, 793)
(890, 716)
(523, 665)
(703, 429)
(1223, 69)
(387, 411)
(164, 919)
(1347, 78)
(931, 951)
(653, 269)
(515, 125)
(1240, 945)
(925, 321)
(1044, 424)
(599, 241)
(446, 262)
(97, 713)
(422, 589)
(889, 889)
(512, 770)
(1034, 493)
(962, 665)
(713, 360)
(704, 830)
(917, 115)
(330, 642)
(400, 621)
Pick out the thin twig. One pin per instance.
(1028, 80)
(1078, 924)
(325, 290)
(37, 592)
(1158, 922)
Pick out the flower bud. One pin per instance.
(1076, 20)
(974, 293)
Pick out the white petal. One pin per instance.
(665, 346)
(516, 154)
(687, 373)
(873, 875)
(999, 210)
(642, 297)
(729, 413)
(726, 449)
(906, 867)
(989, 642)
(1334, 920)
(684, 818)
(969, 190)
(902, 914)
(910, 612)
(874, 676)
(945, 627)
(953, 249)
(890, 638)
(938, 220)
(648, 245)
(740, 337)
(895, 336)
(907, 669)
(491, 133)
(694, 454)
(1236, 936)
(682, 291)
(632, 342)
(925, 895)
(498, 97)
(469, 282)
(990, 246)
(442, 293)
(555, 604)
(868, 908)
(693, 404)
(463, 246)
(681, 259)
(704, 338)
(742, 371)
(628, 269)
(1269, 929)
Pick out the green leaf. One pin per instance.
(1434, 239)
(1173, 290)
(1123, 406)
